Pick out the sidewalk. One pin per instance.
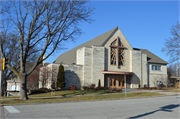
(156, 91)
(127, 90)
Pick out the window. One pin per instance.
(14, 87)
(110, 82)
(156, 67)
(117, 47)
(114, 82)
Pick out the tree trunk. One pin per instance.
(3, 87)
(23, 89)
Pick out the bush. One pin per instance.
(115, 89)
(60, 77)
(139, 84)
(93, 86)
(84, 87)
(73, 87)
(99, 83)
(101, 88)
(41, 90)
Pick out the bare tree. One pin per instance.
(173, 69)
(9, 42)
(47, 74)
(172, 45)
(42, 22)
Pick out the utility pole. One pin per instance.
(178, 75)
(0, 73)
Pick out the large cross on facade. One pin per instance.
(117, 46)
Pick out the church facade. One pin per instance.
(110, 58)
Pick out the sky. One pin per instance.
(145, 24)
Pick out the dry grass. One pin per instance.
(71, 93)
(65, 93)
(173, 90)
(79, 98)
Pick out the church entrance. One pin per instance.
(121, 82)
(112, 82)
(117, 82)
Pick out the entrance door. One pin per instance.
(121, 83)
(113, 82)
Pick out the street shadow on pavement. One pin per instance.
(164, 108)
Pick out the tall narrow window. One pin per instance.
(117, 53)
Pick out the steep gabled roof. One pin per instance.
(69, 57)
(152, 58)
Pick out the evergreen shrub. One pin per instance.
(99, 83)
(60, 77)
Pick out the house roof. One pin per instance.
(152, 58)
(69, 57)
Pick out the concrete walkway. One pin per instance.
(165, 92)
(127, 90)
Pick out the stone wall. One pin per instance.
(144, 70)
(136, 68)
(87, 67)
(92, 59)
(157, 77)
(80, 56)
(46, 74)
(98, 57)
(72, 73)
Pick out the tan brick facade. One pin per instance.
(92, 60)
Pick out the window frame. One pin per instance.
(155, 67)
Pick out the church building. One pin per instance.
(110, 58)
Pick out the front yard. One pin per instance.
(47, 98)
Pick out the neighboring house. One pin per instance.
(13, 87)
(110, 58)
(172, 80)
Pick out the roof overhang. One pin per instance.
(116, 72)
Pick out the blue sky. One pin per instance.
(145, 24)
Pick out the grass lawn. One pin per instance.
(173, 90)
(65, 93)
(71, 93)
(79, 98)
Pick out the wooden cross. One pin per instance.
(117, 50)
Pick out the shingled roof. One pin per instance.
(69, 57)
(152, 58)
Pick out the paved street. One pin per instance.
(166, 107)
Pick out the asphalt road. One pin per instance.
(166, 107)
